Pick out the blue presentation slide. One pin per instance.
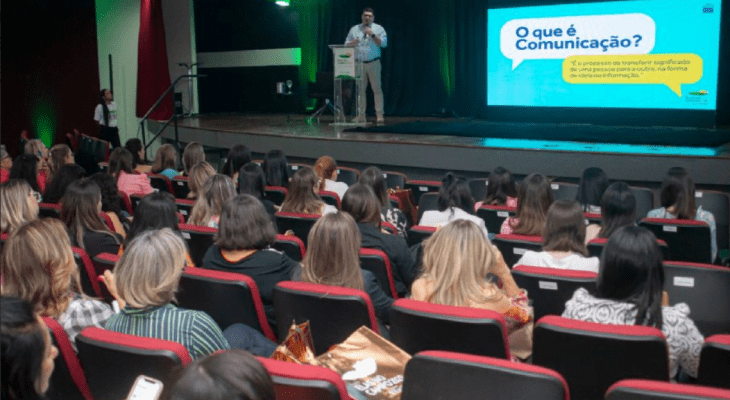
(627, 54)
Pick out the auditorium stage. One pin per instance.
(427, 155)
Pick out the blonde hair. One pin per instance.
(198, 174)
(38, 149)
(333, 252)
(218, 190)
(148, 272)
(324, 168)
(38, 266)
(457, 259)
(14, 208)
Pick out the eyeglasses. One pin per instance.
(36, 195)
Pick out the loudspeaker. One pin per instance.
(178, 103)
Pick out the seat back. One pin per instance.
(478, 188)
(641, 389)
(68, 380)
(294, 167)
(417, 326)
(688, 240)
(644, 200)
(427, 202)
(292, 246)
(704, 288)
(389, 227)
(348, 175)
(564, 191)
(395, 179)
(717, 203)
(330, 198)
(185, 207)
(294, 381)
(595, 247)
(714, 362)
(135, 198)
(112, 360)
(419, 233)
(420, 187)
(103, 262)
(378, 263)
(215, 292)
(87, 272)
(275, 194)
(333, 312)
(49, 210)
(180, 187)
(300, 224)
(613, 352)
(494, 216)
(513, 246)
(161, 183)
(199, 239)
(128, 207)
(447, 375)
(550, 288)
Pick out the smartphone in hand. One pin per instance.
(145, 388)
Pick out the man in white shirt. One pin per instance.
(369, 38)
(106, 115)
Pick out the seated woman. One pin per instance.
(59, 156)
(251, 181)
(38, 266)
(564, 243)
(26, 167)
(199, 174)
(460, 256)
(147, 277)
(454, 203)
(64, 176)
(192, 155)
(534, 197)
(80, 209)
(139, 158)
(37, 148)
(677, 199)
(629, 285)
(111, 202)
(373, 177)
(218, 190)
(501, 189)
(165, 162)
(326, 170)
(238, 156)
(18, 205)
(618, 208)
(593, 183)
(333, 258)
(276, 168)
(232, 374)
(361, 204)
(129, 182)
(27, 351)
(302, 197)
(243, 245)
(155, 211)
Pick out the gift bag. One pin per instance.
(371, 366)
(406, 204)
(297, 347)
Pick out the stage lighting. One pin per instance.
(282, 3)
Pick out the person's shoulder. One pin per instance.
(656, 213)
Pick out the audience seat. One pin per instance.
(595, 247)
(420, 187)
(427, 202)
(718, 204)
(419, 233)
(185, 207)
(417, 326)
(275, 194)
(494, 216)
(295, 381)
(446, 375)
(395, 179)
(68, 381)
(127, 203)
(87, 272)
(564, 191)
(688, 240)
(333, 312)
(180, 187)
(294, 167)
(640, 389)
(107, 220)
(550, 288)
(592, 218)
(378, 263)
(478, 188)
(300, 224)
(229, 298)
(389, 227)
(330, 198)
(591, 357)
(101, 263)
(161, 183)
(290, 245)
(348, 175)
(705, 289)
(199, 239)
(112, 361)
(514, 246)
(135, 198)
(644, 200)
(50, 210)
(715, 362)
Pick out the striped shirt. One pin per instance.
(195, 330)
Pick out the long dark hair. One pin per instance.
(120, 160)
(251, 180)
(80, 212)
(134, 145)
(155, 211)
(65, 176)
(238, 156)
(301, 196)
(360, 202)
(618, 208)
(678, 190)
(591, 186)
(276, 168)
(104, 107)
(111, 200)
(455, 192)
(500, 186)
(565, 228)
(25, 167)
(631, 272)
(373, 177)
(23, 349)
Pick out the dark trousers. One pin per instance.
(111, 135)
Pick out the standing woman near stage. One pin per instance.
(106, 115)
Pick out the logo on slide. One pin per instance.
(699, 93)
(708, 8)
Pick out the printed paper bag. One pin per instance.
(371, 366)
(297, 347)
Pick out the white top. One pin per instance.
(575, 262)
(338, 187)
(99, 114)
(440, 218)
(329, 209)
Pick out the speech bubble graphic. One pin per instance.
(561, 37)
(671, 70)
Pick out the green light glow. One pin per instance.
(447, 46)
(311, 14)
(44, 122)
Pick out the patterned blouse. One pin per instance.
(701, 215)
(397, 218)
(82, 313)
(683, 337)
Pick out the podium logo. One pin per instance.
(345, 55)
(708, 8)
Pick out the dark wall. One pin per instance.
(50, 71)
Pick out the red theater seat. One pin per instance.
(180, 187)
(294, 381)
(68, 380)
(378, 263)
(275, 194)
(300, 224)
(161, 183)
(395, 179)
(184, 207)
(596, 246)
(638, 389)
(419, 233)
(550, 288)
(427, 202)
(494, 216)
(87, 272)
(419, 187)
(513, 246)
(51, 210)
(199, 239)
(348, 175)
(688, 240)
(330, 198)
(292, 246)
(715, 362)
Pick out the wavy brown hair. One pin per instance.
(198, 174)
(534, 197)
(565, 228)
(192, 155)
(324, 168)
(302, 194)
(57, 159)
(218, 190)
(165, 158)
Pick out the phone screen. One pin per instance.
(145, 388)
